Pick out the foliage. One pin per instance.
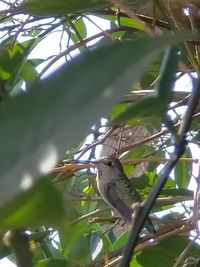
(119, 86)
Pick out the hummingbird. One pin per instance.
(117, 190)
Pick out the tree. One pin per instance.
(120, 92)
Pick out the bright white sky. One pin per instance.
(50, 45)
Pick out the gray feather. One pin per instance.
(117, 190)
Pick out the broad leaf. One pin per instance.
(52, 263)
(39, 126)
(156, 104)
(30, 208)
(60, 7)
(161, 255)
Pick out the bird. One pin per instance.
(117, 190)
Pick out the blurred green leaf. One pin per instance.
(167, 75)
(30, 208)
(50, 125)
(141, 151)
(4, 250)
(51, 7)
(147, 80)
(66, 235)
(160, 254)
(38, 236)
(150, 76)
(156, 104)
(118, 109)
(144, 108)
(79, 250)
(140, 182)
(52, 263)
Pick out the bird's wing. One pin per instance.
(117, 203)
(135, 195)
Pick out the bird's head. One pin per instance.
(109, 168)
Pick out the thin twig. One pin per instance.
(157, 159)
(105, 32)
(86, 198)
(95, 143)
(151, 138)
(147, 244)
(132, 15)
(142, 17)
(88, 215)
(79, 44)
(172, 200)
(19, 31)
(69, 169)
(162, 201)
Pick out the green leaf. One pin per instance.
(155, 105)
(153, 165)
(39, 236)
(167, 75)
(153, 177)
(126, 21)
(151, 74)
(147, 80)
(83, 242)
(30, 208)
(52, 263)
(121, 241)
(58, 111)
(118, 109)
(161, 255)
(144, 108)
(10, 60)
(12, 54)
(96, 244)
(138, 152)
(176, 192)
(28, 72)
(79, 250)
(66, 235)
(140, 182)
(81, 28)
(60, 7)
(183, 171)
(104, 238)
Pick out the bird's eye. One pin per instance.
(108, 162)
